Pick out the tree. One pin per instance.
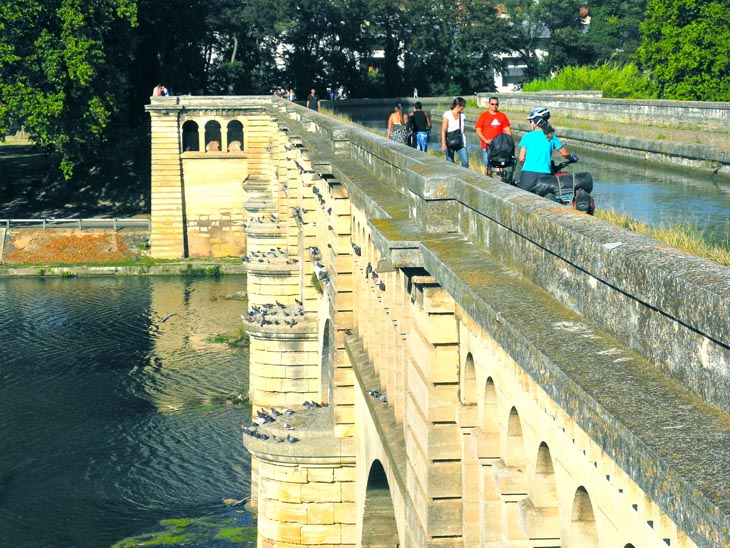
(687, 46)
(63, 71)
(614, 32)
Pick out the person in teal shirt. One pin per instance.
(536, 149)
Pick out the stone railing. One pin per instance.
(687, 114)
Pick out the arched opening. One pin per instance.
(545, 492)
(190, 137)
(489, 419)
(234, 136)
(326, 371)
(583, 530)
(212, 136)
(629, 545)
(379, 528)
(469, 382)
(514, 454)
(539, 512)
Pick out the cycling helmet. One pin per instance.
(539, 114)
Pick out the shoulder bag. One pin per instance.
(455, 139)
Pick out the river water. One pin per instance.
(113, 410)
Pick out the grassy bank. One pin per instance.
(685, 237)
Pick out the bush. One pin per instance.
(618, 82)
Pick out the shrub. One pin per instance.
(619, 82)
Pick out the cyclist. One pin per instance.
(536, 148)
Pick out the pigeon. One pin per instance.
(291, 439)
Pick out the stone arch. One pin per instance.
(234, 136)
(379, 526)
(514, 453)
(212, 136)
(540, 515)
(327, 359)
(190, 136)
(583, 530)
(545, 493)
(468, 392)
(490, 418)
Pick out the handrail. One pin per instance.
(99, 222)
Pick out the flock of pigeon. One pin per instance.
(275, 314)
(322, 201)
(370, 273)
(272, 218)
(275, 416)
(274, 254)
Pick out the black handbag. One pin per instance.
(455, 139)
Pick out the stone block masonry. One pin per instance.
(461, 371)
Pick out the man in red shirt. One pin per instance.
(490, 123)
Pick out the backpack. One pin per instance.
(583, 201)
(502, 150)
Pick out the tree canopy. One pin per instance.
(686, 45)
(64, 70)
(76, 73)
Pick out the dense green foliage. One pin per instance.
(613, 81)
(63, 74)
(76, 73)
(687, 47)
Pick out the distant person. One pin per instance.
(415, 93)
(490, 123)
(291, 96)
(333, 95)
(420, 125)
(398, 129)
(313, 101)
(453, 136)
(536, 149)
(160, 91)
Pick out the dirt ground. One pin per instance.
(72, 246)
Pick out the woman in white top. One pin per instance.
(455, 120)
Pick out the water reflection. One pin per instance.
(113, 419)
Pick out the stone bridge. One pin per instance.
(440, 360)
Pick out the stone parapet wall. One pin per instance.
(685, 114)
(604, 272)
